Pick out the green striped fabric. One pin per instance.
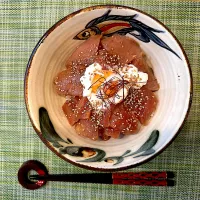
(22, 23)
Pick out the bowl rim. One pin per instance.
(45, 35)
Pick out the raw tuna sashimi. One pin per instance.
(142, 103)
(143, 65)
(124, 47)
(85, 52)
(77, 108)
(87, 128)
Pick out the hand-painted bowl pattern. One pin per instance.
(170, 66)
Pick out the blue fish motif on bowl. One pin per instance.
(108, 25)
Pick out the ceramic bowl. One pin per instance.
(44, 106)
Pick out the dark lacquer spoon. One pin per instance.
(33, 182)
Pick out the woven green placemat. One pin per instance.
(22, 23)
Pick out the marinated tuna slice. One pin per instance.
(114, 133)
(68, 82)
(142, 103)
(124, 120)
(152, 83)
(85, 52)
(102, 134)
(87, 128)
(102, 117)
(122, 46)
(77, 108)
(105, 59)
(84, 108)
(143, 66)
(70, 108)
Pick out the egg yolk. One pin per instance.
(99, 79)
